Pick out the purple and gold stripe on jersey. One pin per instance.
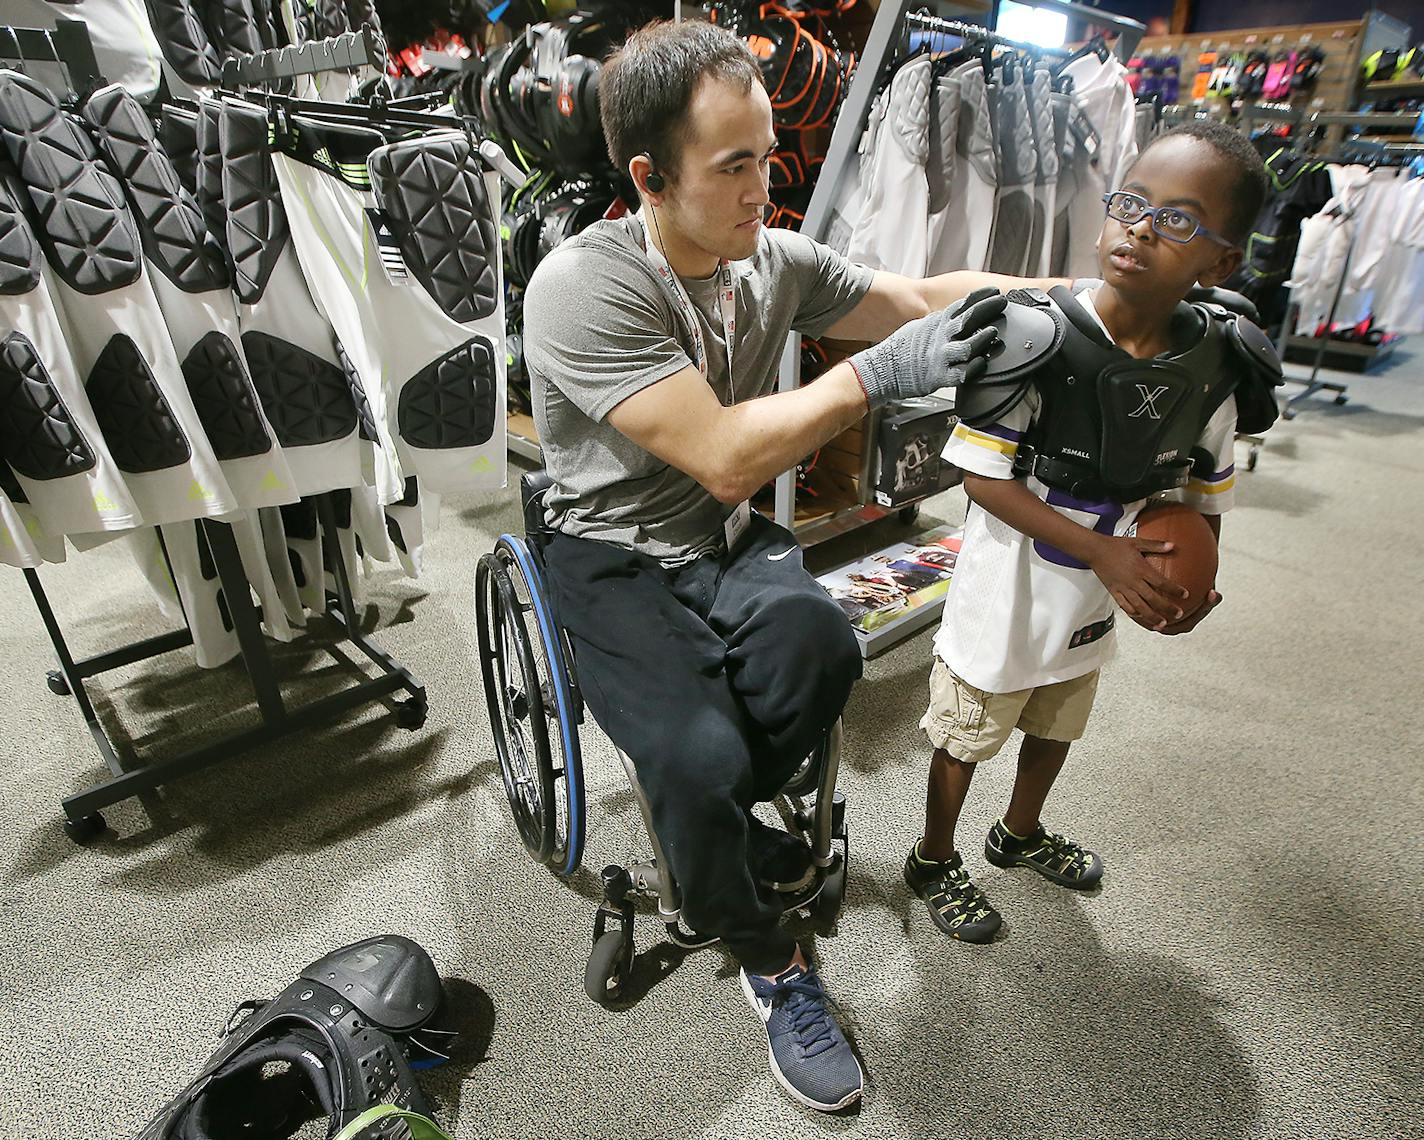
(991, 437)
(1215, 483)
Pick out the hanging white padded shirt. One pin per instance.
(1101, 93)
(290, 348)
(114, 327)
(48, 434)
(23, 542)
(194, 289)
(422, 328)
(1045, 186)
(967, 226)
(891, 232)
(1017, 170)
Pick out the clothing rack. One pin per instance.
(73, 49)
(344, 52)
(1356, 149)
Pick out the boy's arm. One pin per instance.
(1144, 595)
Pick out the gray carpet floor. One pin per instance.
(1251, 965)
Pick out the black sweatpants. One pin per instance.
(717, 679)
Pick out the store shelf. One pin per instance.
(1348, 356)
(1391, 89)
(524, 437)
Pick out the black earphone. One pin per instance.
(655, 182)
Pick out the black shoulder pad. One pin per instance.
(1250, 340)
(1029, 333)
(1256, 408)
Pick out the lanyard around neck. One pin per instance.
(726, 302)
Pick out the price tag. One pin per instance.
(1252, 39)
(1306, 38)
(1278, 38)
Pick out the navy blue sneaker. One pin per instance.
(809, 1054)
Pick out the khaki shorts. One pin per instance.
(972, 725)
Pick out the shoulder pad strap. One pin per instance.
(1077, 315)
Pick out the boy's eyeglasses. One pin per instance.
(1167, 221)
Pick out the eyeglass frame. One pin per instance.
(1152, 212)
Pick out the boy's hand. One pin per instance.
(1189, 623)
(1151, 600)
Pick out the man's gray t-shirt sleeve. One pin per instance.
(831, 286)
(601, 331)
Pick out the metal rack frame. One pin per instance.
(82, 819)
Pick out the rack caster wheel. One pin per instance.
(610, 963)
(57, 684)
(908, 516)
(410, 714)
(86, 829)
(1252, 459)
(1341, 400)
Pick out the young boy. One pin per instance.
(1030, 613)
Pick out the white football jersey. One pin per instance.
(1021, 613)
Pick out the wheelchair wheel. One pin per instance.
(534, 712)
(804, 779)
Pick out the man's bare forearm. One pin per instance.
(764, 437)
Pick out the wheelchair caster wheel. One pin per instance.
(610, 964)
(410, 714)
(57, 684)
(85, 829)
(908, 516)
(1341, 400)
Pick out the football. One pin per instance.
(1192, 561)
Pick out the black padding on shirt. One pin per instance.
(358, 394)
(37, 436)
(451, 401)
(84, 223)
(185, 41)
(306, 398)
(209, 191)
(224, 398)
(178, 132)
(232, 25)
(10, 485)
(19, 255)
(137, 423)
(321, 20)
(174, 232)
(256, 222)
(435, 197)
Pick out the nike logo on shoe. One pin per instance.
(778, 557)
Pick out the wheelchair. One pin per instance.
(536, 710)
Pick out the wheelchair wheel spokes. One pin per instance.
(562, 711)
(516, 707)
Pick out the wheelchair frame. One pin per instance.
(535, 709)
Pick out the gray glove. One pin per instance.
(937, 351)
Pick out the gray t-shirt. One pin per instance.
(600, 325)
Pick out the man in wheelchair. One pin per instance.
(705, 650)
